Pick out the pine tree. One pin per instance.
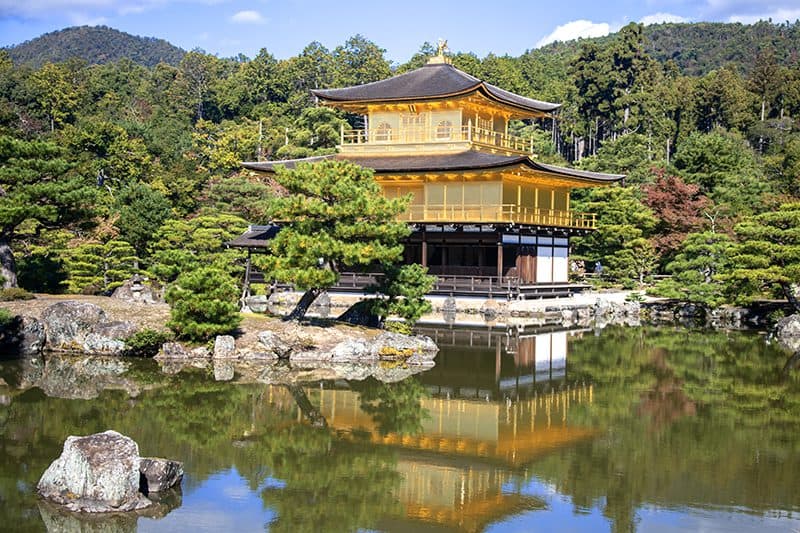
(141, 210)
(203, 304)
(724, 166)
(36, 183)
(334, 216)
(183, 245)
(620, 242)
(402, 293)
(701, 260)
(768, 255)
(95, 267)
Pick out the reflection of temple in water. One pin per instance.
(495, 364)
(494, 407)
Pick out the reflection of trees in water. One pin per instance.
(212, 427)
(666, 402)
(692, 418)
(310, 412)
(739, 445)
(394, 407)
(329, 482)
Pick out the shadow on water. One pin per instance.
(570, 427)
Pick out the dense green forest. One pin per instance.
(108, 168)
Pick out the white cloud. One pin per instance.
(248, 17)
(33, 7)
(658, 18)
(40, 9)
(81, 19)
(778, 16)
(574, 29)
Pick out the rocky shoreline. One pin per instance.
(84, 327)
(80, 327)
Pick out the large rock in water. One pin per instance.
(83, 327)
(176, 351)
(25, 337)
(96, 473)
(787, 332)
(415, 349)
(159, 474)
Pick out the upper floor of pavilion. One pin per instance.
(436, 108)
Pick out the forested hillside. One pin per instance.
(95, 45)
(697, 48)
(119, 161)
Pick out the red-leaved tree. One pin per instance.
(679, 208)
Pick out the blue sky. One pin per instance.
(284, 27)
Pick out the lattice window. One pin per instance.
(413, 126)
(383, 132)
(411, 120)
(444, 130)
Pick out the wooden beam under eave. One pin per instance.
(478, 102)
(539, 181)
(526, 175)
(399, 178)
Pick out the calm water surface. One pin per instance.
(627, 429)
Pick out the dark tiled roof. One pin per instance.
(430, 82)
(466, 160)
(520, 101)
(255, 237)
(576, 173)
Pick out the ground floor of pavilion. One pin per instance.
(491, 260)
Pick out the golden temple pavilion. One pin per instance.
(487, 217)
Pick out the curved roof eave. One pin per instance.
(430, 82)
(598, 177)
(487, 90)
(462, 161)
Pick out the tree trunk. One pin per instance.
(792, 363)
(8, 266)
(761, 137)
(302, 306)
(791, 297)
(311, 413)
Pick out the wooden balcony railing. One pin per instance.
(499, 213)
(437, 134)
(508, 286)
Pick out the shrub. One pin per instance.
(635, 297)
(146, 342)
(6, 317)
(402, 293)
(204, 304)
(398, 327)
(15, 293)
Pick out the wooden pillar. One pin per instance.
(500, 257)
(497, 361)
(424, 248)
(246, 284)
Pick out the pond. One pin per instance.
(617, 430)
